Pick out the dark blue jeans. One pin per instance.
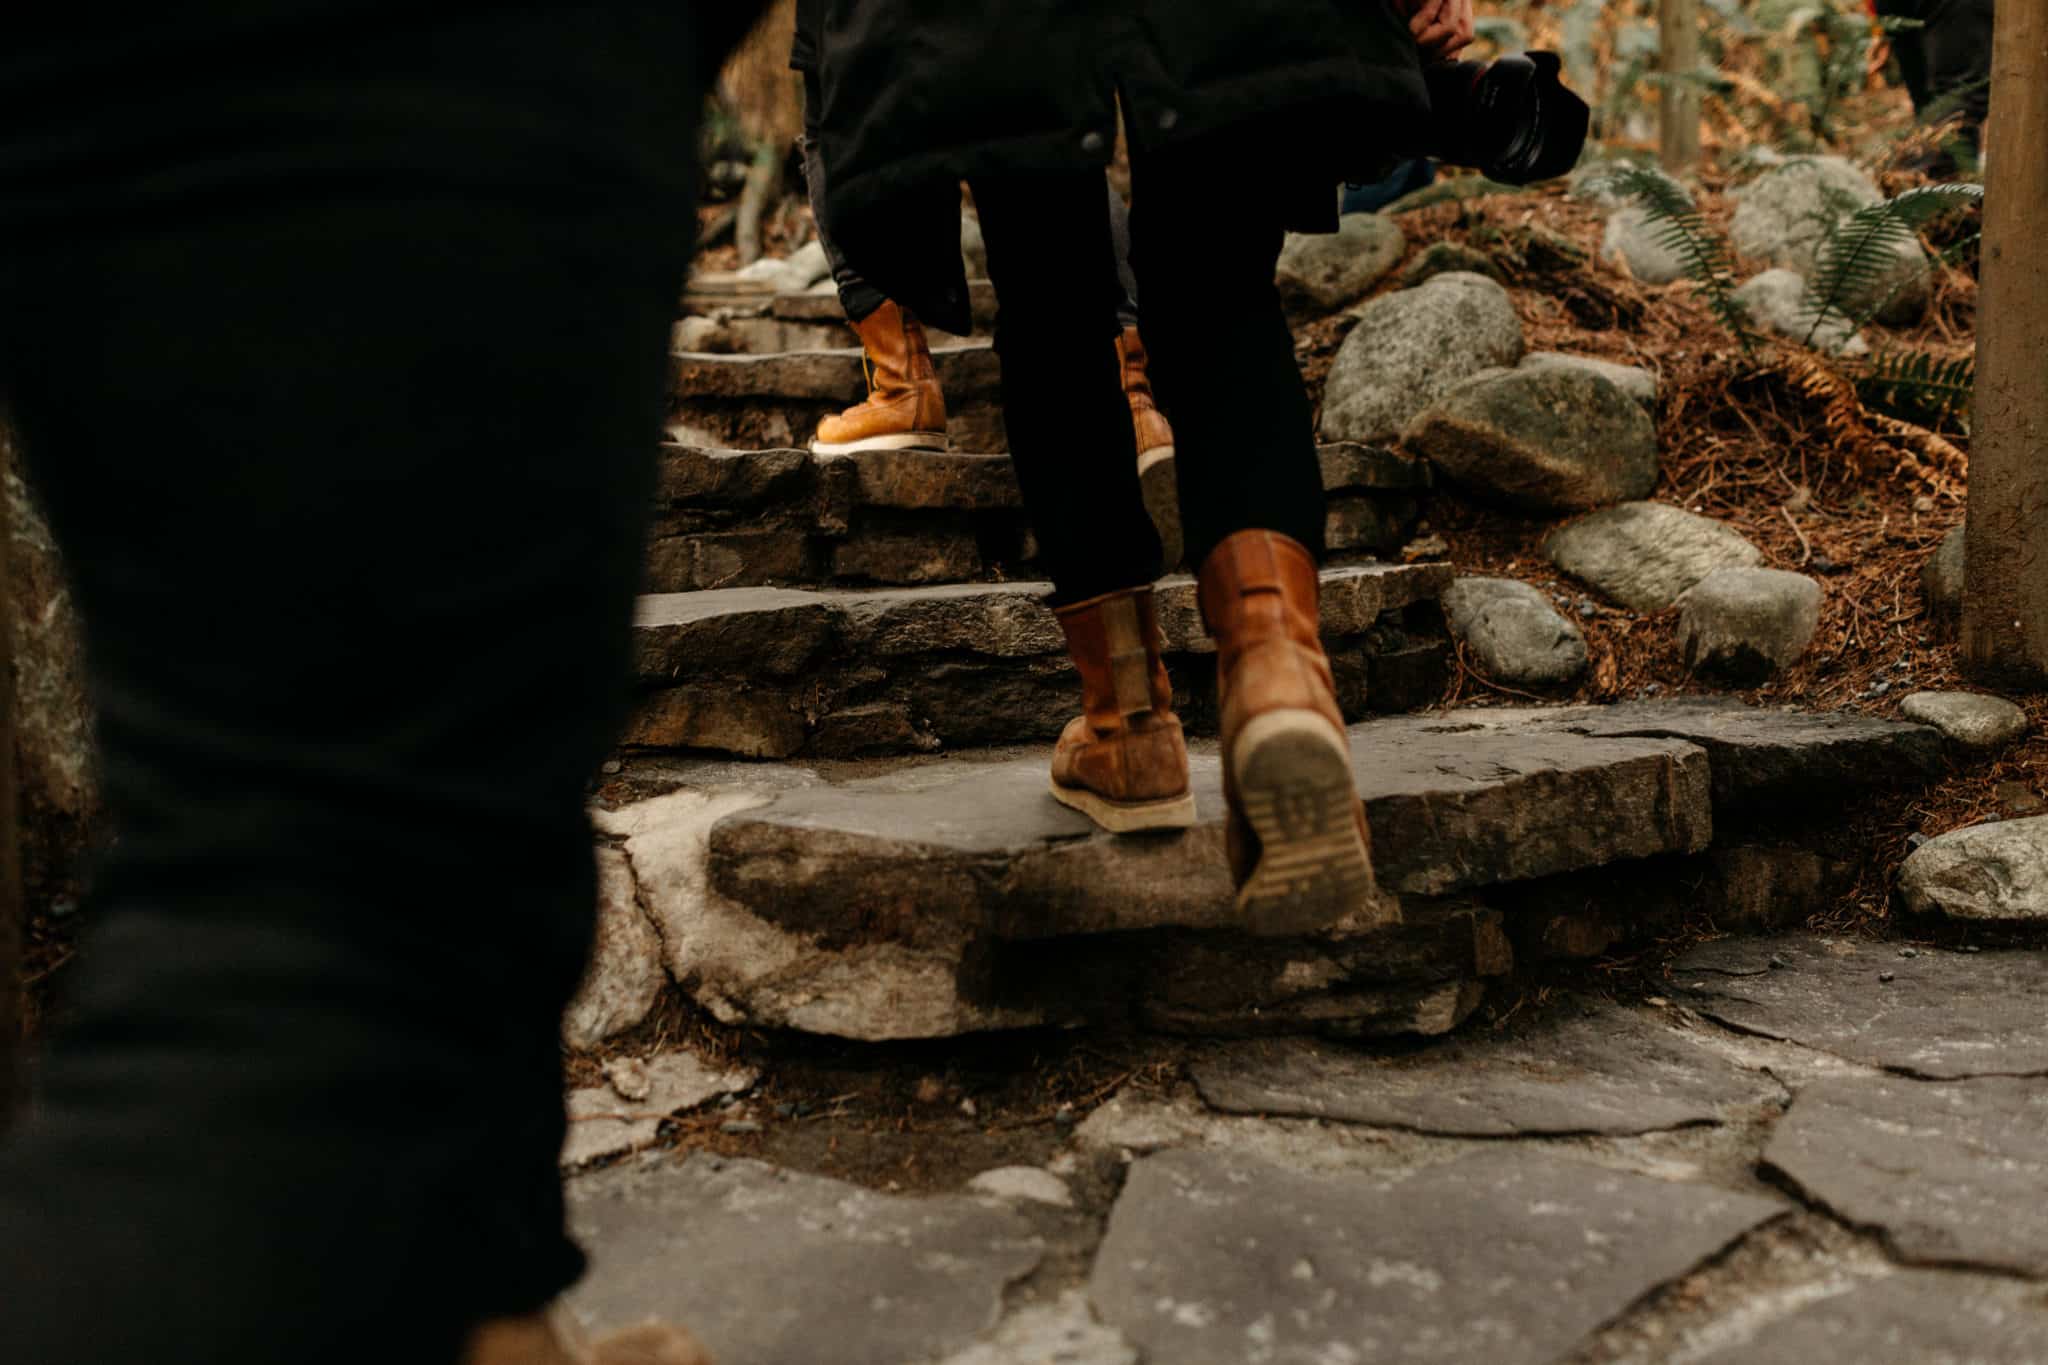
(335, 334)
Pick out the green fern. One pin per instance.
(1669, 209)
(1920, 386)
(1862, 250)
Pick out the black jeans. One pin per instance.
(1222, 364)
(859, 298)
(335, 335)
(1947, 60)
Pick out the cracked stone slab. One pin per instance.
(1919, 1316)
(625, 1113)
(1451, 807)
(1950, 1173)
(1764, 756)
(1943, 1015)
(769, 1266)
(1616, 1072)
(1064, 1332)
(1508, 1256)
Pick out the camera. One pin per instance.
(1512, 119)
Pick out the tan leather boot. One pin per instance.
(905, 408)
(1123, 762)
(1299, 850)
(550, 1338)
(1155, 446)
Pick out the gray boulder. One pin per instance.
(1784, 218)
(1645, 554)
(1410, 348)
(1745, 624)
(1549, 438)
(1442, 258)
(1941, 577)
(1323, 271)
(1971, 719)
(1996, 872)
(1635, 241)
(973, 252)
(1637, 383)
(1777, 300)
(1514, 632)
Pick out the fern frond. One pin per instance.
(1919, 384)
(1670, 212)
(1860, 250)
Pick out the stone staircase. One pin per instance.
(822, 818)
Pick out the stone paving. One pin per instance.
(1804, 1150)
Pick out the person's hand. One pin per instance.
(1442, 28)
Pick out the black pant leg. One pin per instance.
(1054, 267)
(1222, 354)
(856, 295)
(336, 344)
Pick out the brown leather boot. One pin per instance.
(1299, 850)
(550, 1338)
(1123, 762)
(905, 408)
(1155, 446)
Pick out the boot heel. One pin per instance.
(1295, 789)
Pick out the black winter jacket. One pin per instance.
(917, 95)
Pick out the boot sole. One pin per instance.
(904, 440)
(1156, 482)
(1295, 789)
(1128, 817)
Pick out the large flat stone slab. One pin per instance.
(769, 1267)
(1917, 1316)
(1764, 757)
(1949, 1173)
(1942, 1015)
(774, 672)
(1508, 1256)
(1614, 1073)
(1450, 808)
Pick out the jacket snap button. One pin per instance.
(1094, 142)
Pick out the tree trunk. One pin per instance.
(13, 917)
(1678, 103)
(2005, 549)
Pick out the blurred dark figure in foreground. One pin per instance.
(1945, 56)
(335, 335)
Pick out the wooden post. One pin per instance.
(2005, 549)
(1678, 103)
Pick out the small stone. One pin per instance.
(1778, 964)
(1941, 577)
(629, 1076)
(931, 1090)
(1552, 438)
(1746, 624)
(785, 1110)
(611, 767)
(1971, 719)
(1065, 1116)
(1909, 952)
(1995, 872)
(1646, 554)
(1886, 978)
(1633, 239)
(739, 1127)
(1777, 300)
(969, 1109)
(1515, 633)
(1322, 272)
(2018, 797)
(1411, 347)
(1916, 839)
(1023, 1183)
(1442, 258)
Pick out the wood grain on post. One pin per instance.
(1678, 103)
(2005, 549)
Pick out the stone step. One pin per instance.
(760, 402)
(748, 518)
(780, 672)
(817, 306)
(955, 895)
